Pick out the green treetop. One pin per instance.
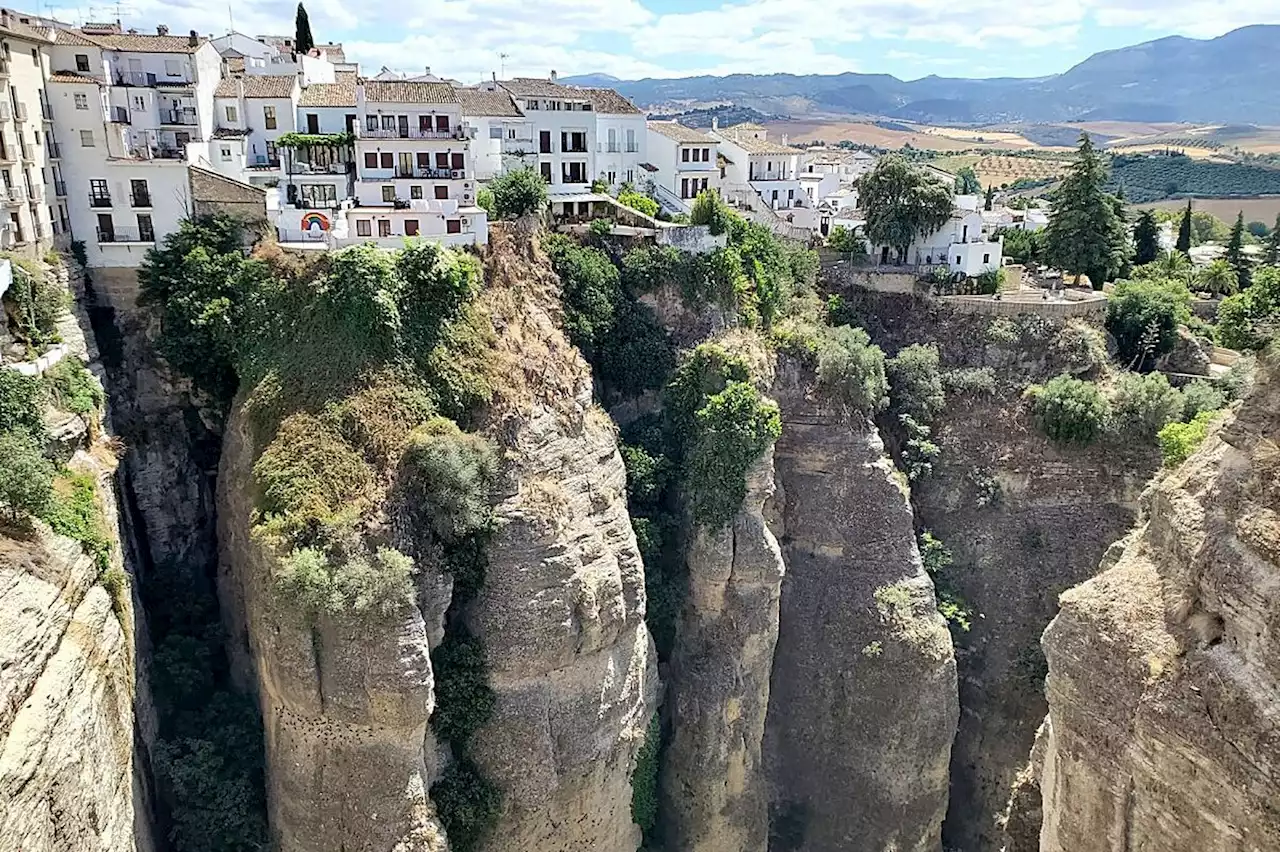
(1184, 232)
(302, 40)
(1086, 236)
(1271, 252)
(967, 181)
(902, 203)
(1146, 239)
(1235, 251)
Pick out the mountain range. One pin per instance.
(1224, 79)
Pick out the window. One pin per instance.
(631, 142)
(455, 161)
(532, 105)
(388, 122)
(442, 160)
(313, 122)
(986, 258)
(139, 193)
(453, 226)
(35, 56)
(371, 122)
(269, 117)
(442, 192)
(370, 159)
(957, 260)
(613, 141)
(495, 132)
(99, 195)
(511, 133)
(442, 124)
(233, 114)
(384, 227)
(82, 100)
(139, 103)
(545, 170)
(411, 227)
(82, 62)
(684, 187)
(106, 228)
(172, 68)
(388, 194)
(86, 138)
(363, 228)
(684, 155)
(273, 154)
(423, 160)
(386, 161)
(415, 191)
(544, 141)
(146, 231)
(224, 151)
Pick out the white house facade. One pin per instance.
(685, 161)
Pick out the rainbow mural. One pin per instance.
(315, 220)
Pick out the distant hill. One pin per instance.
(1147, 178)
(1228, 79)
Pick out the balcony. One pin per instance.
(60, 188)
(126, 235)
(97, 199)
(140, 199)
(28, 153)
(53, 148)
(574, 149)
(19, 111)
(311, 235)
(314, 203)
(119, 115)
(4, 68)
(181, 81)
(135, 78)
(460, 133)
(15, 194)
(6, 113)
(36, 193)
(7, 155)
(46, 111)
(413, 174)
(262, 161)
(297, 168)
(179, 117)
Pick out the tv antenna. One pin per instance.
(502, 64)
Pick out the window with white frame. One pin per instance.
(233, 114)
(269, 117)
(86, 138)
(82, 63)
(172, 68)
(631, 142)
(224, 151)
(81, 100)
(139, 103)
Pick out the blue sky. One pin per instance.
(464, 39)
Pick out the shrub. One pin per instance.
(446, 475)
(915, 382)
(1238, 380)
(709, 209)
(484, 200)
(989, 281)
(1069, 411)
(919, 452)
(1141, 405)
(589, 290)
(970, 381)
(382, 585)
(733, 429)
(644, 781)
(1003, 331)
(851, 371)
(636, 354)
(933, 554)
(464, 699)
(847, 241)
(469, 805)
(708, 369)
(1081, 346)
(74, 511)
(1143, 317)
(73, 388)
(640, 203)
(1200, 395)
(1248, 320)
(518, 193)
(26, 477)
(1179, 440)
(600, 228)
(647, 475)
(20, 403)
(34, 302)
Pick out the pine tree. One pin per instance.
(1146, 239)
(1085, 235)
(1184, 232)
(1235, 251)
(302, 40)
(988, 197)
(1271, 254)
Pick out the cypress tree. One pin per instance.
(1235, 251)
(1271, 254)
(1184, 232)
(1146, 238)
(302, 40)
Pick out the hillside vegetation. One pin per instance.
(1147, 178)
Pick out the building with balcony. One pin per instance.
(959, 245)
(767, 169)
(563, 131)
(621, 138)
(32, 216)
(504, 137)
(261, 108)
(685, 160)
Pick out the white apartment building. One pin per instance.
(685, 162)
(562, 122)
(317, 176)
(34, 214)
(504, 137)
(134, 110)
(260, 108)
(959, 243)
(768, 170)
(621, 138)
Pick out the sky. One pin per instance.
(466, 39)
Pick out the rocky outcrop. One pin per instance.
(562, 610)
(1164, 670)
(714, 796)
(862, 699)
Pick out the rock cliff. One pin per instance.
(862, 699)
(1164, 674)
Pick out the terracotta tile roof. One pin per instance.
(487, 102)
(405, 92)
(752, 145)
(610, 102)
(345, 77)
(676, 131)
(340, 94)
(746, 127)
(208, 185)
(72, 37)
(523, 87)
(136, 42)
(235, 64)
(72, 77)
(269, 85)
(22, 26)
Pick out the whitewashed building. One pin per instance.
(504, 137)
(562, 123)
(959, 244)
(685, 160)
(621, 138)
(769, 170)
(32, 193)
(260, 108)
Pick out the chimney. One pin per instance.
(193, 39)
(495, 76)
(162, 30)
(715, 122)
(553, 75)
(428, 70)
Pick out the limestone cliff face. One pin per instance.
(1164, 671)
(714, 794)
(862, 700)
(562, 610)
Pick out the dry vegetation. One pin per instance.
(996, 170)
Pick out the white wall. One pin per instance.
(624, 164)
(286, 110)
(557, 122)
(244, 45)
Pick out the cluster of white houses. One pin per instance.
(112, 137)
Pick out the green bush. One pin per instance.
(34, 302)
(484, 200)
(708, 370)
(590, 291)
(709, 209)
(640, 203)
(20, 404)
(1200, 395)
(915, 382)
(919, 452)
(464, 699)
(644, 782)
(1003, 331)
(75, 512)
(847, 241)
(851, 371)
(1248, 320)
(447, 475)
(468, 803)
(1179, 440)
(647, 475)
(1070, 411)
(636, 355)
(989, 281)
(970, 381)
(518, 193)
(382, 585)
(26, 477)
(1143, 317)
(734, 428)
(1141, 405)
(73, 388)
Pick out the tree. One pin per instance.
(1258, 229)
(1271, 253)
(709, 209)
(1248, 320)
(1146, 238)
(1143, 317)
(902, 203)
(1219, 278)
(967, 181)
(302, 40)
(988, 197)
(1235, 252)
(26, 477)
(1085, 235)
(518, 193)
(1022, 246)
(1184, 232)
